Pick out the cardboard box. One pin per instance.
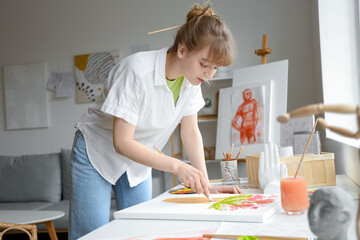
(319, 168)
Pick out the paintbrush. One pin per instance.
(208, 197)
(232, 148)
(237, 156)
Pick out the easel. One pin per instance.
(264, 51)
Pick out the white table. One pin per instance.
(32, 217)
(145, 228)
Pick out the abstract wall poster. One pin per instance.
(278, 73)
(91, 72)
(25, 96)
(244, 117)
(239, 208)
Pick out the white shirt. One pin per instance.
(136, 91)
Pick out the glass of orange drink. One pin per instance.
(294, 194)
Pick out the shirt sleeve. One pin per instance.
(196, 103)
(122, 99)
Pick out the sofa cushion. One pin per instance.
(25, 205)
(66, 173)
(30, 178)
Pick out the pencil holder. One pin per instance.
(229, 172)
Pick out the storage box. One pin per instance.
(319, 168)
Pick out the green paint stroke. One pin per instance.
(230, 201)
(247, 238)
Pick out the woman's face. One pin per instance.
(195, 66)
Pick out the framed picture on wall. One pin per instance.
(25, 96)
(91, 72)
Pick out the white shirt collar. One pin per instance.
(160, 63)
(160, 67)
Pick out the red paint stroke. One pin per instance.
(252, 203)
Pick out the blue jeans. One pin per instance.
(91, 193)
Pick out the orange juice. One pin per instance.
(294, 196)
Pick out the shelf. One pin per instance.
(221, 78)
(207, 118)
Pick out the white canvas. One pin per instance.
(298, 229)
(278, 73)
(157, 209)
(25, 96)
(230, 100)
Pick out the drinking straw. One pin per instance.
(307, 145)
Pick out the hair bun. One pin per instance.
(199, 10)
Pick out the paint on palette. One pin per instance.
(182, 191)
(244, 201)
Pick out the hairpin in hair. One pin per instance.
(164, 29)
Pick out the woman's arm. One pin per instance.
(126, 145)
(193, 144)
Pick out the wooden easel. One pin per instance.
(264, 51)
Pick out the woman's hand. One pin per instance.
(193, 178)
(225, 189)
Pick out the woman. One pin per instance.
(146, 96)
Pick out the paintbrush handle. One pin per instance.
(225, 236)
(158, 150)
(240, 150)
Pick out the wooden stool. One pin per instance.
(29, 229)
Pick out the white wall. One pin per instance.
(347, 158)
(55, 31)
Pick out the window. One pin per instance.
(340, 58)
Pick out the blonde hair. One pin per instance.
(202, 28)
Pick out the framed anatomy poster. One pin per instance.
(244, 117)
(248, 111)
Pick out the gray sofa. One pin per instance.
(38, 182)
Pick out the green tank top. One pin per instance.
(175, 86)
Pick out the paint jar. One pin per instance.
(229, 172)
(294, 194)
